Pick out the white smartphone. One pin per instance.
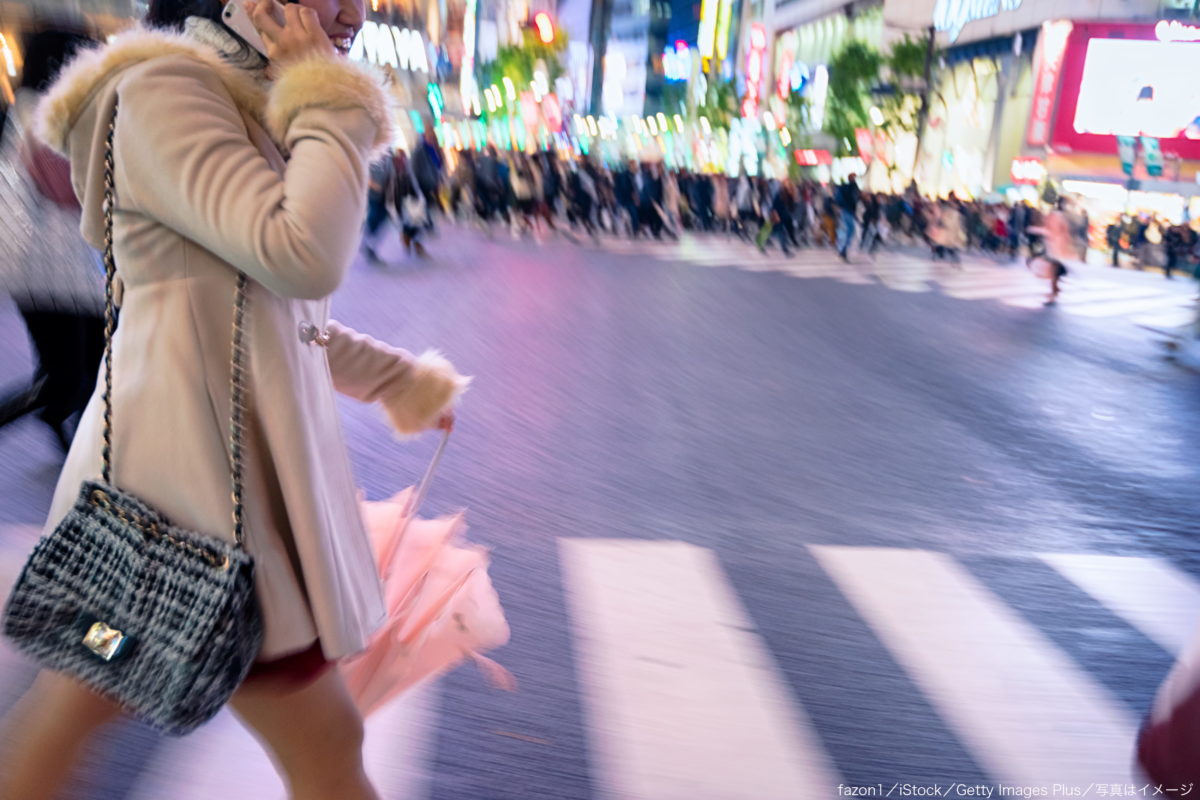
(238, 20)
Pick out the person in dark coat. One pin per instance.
(847, 199)
(627, 191)
(650, 198)
(427, 165)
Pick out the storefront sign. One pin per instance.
(724, 20)
(552, 113)
(754, 69)
(1152, 155)
(866, 144)
(1051, 47)
(783, 83)
(1027, 171)
(706, 36)
(812, 158)
(467, 87)
(677, 62)
(401, 48)
(1175, 31)
(1127, 152)
(951, 16)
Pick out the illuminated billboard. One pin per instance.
(1124, 80)
(1130, 88)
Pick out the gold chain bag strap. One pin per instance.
(160, 619)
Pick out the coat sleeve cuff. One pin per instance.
(330, 83)
(432, 388)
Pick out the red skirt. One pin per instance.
(290, 673)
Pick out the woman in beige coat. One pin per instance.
(225, 165)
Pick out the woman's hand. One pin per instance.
(291, 32)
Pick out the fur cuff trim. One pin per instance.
(432, 388)
(326, 82)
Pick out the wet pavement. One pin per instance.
(760, 520)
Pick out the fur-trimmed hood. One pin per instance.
(74, 115)
(80, 80)
(332, 83)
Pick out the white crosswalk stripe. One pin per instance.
(1027, 713)
(1153, 596)
(976, 279)
(682, 697)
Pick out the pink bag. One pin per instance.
(442, 609)
(1168, 750)
(50, 173)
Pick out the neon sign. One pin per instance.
(467, 87)
(1175, 31)
(812, 158)
(706, 36)
(1052, 46)
(677, 62)
(401, 48)
(1027, 171)
(951, 16)
(754, 68)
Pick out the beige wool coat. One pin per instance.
(219, 172)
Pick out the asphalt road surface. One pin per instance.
(764, 527)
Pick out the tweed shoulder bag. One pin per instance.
(159, 619)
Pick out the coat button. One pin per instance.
(311, 334)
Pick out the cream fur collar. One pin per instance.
(63, 103)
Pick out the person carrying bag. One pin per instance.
(204, 545)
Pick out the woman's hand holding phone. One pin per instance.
(290, 32)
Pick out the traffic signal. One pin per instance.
(545, 27)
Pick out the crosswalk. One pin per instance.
(683, 697)
(1087, 292)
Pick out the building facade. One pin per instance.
(1049, 92)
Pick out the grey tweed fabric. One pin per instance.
(192, 623)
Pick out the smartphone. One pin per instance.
(237, 20)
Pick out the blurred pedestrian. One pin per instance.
(948, 232)
(872, 220)
(745, 207)
(380, 192)
(410, 204)
(1059, 249)
(208, 208)
(427, 166)
(627, 191)
(720, 201)
(45, 266)
(847, 199)
(650, 199)
(524, 192)
(551, 189)
(1112, 236)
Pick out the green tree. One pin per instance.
(675, 97)
(900, 97)
(517, 62)
(797, 115)
(720, 103)
(853, 72)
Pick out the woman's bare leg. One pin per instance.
(314, 736)
(44, 734)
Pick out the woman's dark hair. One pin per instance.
(46, 51)
(172, 13)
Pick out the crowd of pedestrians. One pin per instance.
(527, 192)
